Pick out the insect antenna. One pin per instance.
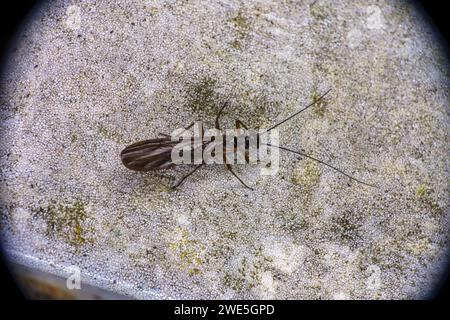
(298, 112)
(322, 162)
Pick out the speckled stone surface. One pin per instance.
(85, 79)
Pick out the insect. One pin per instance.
(155, 154)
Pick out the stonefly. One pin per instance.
(160, 153)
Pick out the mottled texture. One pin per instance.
(85, 79)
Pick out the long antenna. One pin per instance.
(322, 162)
(298, 112)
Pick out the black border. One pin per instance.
(437, 11)
(12, 17)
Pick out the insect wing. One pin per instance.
(154, 154)
(148, 155)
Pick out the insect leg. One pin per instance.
(164, 134)
(237, 177)
(186, 176)
(168, 135)
(239, 123)
(217, 126)
(189, 126)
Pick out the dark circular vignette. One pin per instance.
(15, 18)
(436, 14)
(438, 18)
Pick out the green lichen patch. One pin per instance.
(202, 97)
(242, 25)
(65, 221)
(422, 191)
(190, 253)
(249, 106)
(394, 133)
(235, 282)
(319, 108)
(110, 135)
(418, 247)
(241, 22)
(317, 11)
(307, 176)
(426, 196)
(346, 226)
(254, 108)
(290, 221)
(248, 273)
(232, 235)
(236, 44)
(153, 11)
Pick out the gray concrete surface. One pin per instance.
(84, 79)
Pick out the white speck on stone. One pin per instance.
(150, 87)
(73, 20)
(340, 296)
(375, 19)
(286, 257)
(268, 285)
(341, 253)
(374, 280)
(21, 217)
(354, 38)
(182, 220)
